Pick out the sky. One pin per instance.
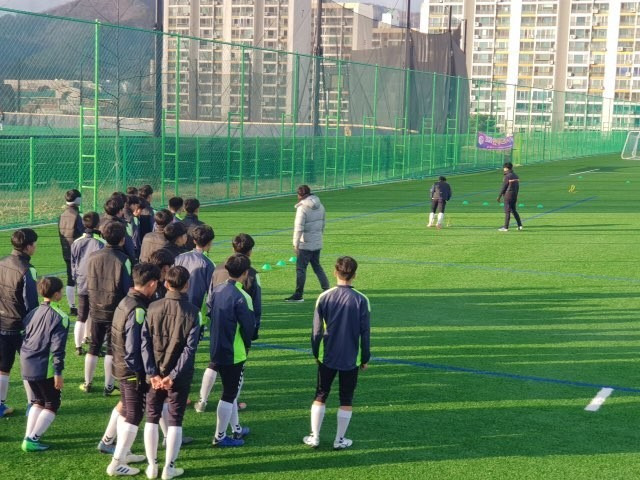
(32, 5)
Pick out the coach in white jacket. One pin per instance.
(307, 240)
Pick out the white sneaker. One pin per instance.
(171, 472)
(342, 444)
(116, 469)
(131, 458)
(520, 227)
(429, 225)
(152, 471)
(312, 441)
(200, 406)
(502, 229)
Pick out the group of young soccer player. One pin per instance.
(141, 278)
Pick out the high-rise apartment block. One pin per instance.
(527, 57)
(217, 80)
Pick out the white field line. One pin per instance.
(598, 400)
(586, 171)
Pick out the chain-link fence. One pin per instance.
(99, 107)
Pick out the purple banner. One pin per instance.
(486, 142)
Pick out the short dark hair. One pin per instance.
(175, 230)
(22, 238)
(121, 195)
(49, 286)
(133, 200)
(177, 277)
(113, 233)
(144, 273)
(237, 264)
(72, 194)
(113, 206)
(346, 267)
(176, 203)
(243, 243)
(202, 235)
(163, 217)
(191, 205)
(91, 220)
(162, 258)
(304, 190)
(508, 165)
(442, 178)
(145, 191)
(132, 191)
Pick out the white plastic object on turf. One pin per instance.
(630, 150)
(599, 399)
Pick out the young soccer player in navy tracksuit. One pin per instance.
(340, 343)
(128, 368)
(198, 264)
(440, 194)
(70, 228)
(91, 241)
(170, 338)
(242, 243)
(108, 282)
(190, 220)
(232, 323)
(156, 240)
(42, 361)
(18, 296)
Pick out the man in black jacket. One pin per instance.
(70, 228)
(114, 212)
(510, 189)
(147, 217)
(128, 368)
(108, 282)
(156, 240)
(18, 296)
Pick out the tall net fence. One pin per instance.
(100, 107)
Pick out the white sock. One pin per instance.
(45, 419)
(440, 218)
(163, 419)
(431, 215)
(108, 371)
(32, 419)
(126, 436)
(235, 420)
(208, 379)
(90, 363)
(4, 388)
(71, 296)
(112, 428)
(151, 442)
(344, 417)
(27, 389)
(174, 442)
(223, 417)
(87, 328)
(317, 416)
(78, 334)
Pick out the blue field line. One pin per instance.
(472, 371)
(563, 207)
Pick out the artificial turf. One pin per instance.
(487, 346)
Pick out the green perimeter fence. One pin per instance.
(84, 106)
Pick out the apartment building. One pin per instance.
(217, 80)
(521, 53)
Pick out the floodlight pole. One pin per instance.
(317, 59)
(407, 66)
(159, 39)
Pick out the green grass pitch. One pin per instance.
(487, 345)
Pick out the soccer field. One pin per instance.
(487, 346)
